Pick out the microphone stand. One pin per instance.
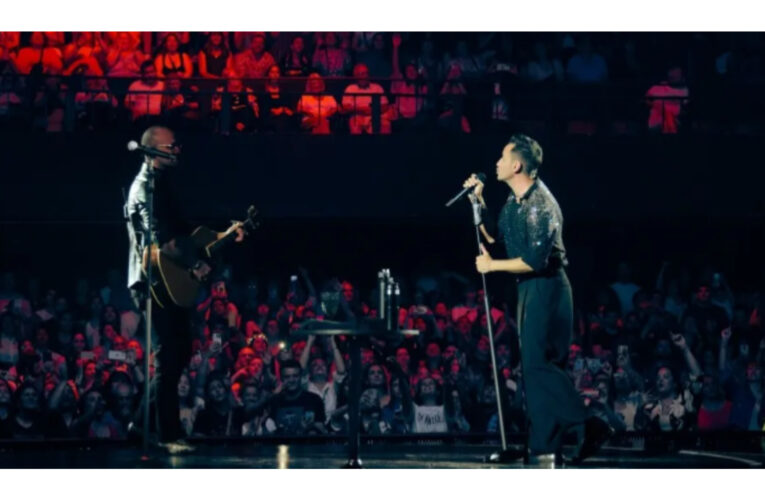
(503, 455)
(149, 238)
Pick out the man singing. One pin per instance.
(531, 225)
(172, 347)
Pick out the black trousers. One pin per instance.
(545, 323)
(171, 345)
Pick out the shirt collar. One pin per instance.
(146, 170)
(528, 192)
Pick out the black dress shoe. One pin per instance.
(520, 455)
(547, 460)
(596, 433)
(507, 456)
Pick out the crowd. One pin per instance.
(680, 352)
(320, 83)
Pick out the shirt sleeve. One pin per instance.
(541, 229)
(138, 213)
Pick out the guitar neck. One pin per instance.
(250, 224)
(219, 244)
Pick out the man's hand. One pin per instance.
(333, 343)
(231, 316)
(679, 341)
(215, 349)
(201, 270)
(483, 261)
(236, 227)
(474, 181)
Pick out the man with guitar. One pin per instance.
(174, 250)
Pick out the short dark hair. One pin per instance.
(290, 363)
(529, 150)
(216, 376)
(20, 391)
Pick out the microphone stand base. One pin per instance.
(353, 463)
(507, 456)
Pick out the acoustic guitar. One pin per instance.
(173, 282)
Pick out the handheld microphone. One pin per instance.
(134, 146)
(481, 177)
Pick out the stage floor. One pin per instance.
(331, 456)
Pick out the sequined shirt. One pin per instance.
(532, 229)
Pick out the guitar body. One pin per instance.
(172, 281)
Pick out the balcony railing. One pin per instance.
(70, 104)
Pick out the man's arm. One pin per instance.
(723, 352)
(535, 252)
(348, 103)
(55, 398)
(486, 264)
(306, 354)
(308, 283)
(338, 357)
(138, 210)
(690, 359)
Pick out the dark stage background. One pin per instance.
(351, 205)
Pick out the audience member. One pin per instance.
(215, 57)
(255, 61)
(359, 103)
(667, 100)
(124, 59)
(328, 58)
(316, 107)
(296, 62)
(39, 57)
(277, 107)
(144, 96)
(586, 66)
(171, 61)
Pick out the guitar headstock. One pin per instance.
(248, 225)
(252, 221)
